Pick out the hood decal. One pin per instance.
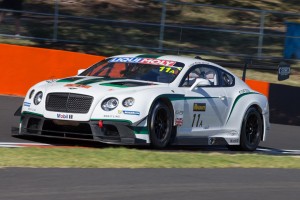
(70, 79)
(90, 81)
(96, 80)
(113, 85)
(125, 84)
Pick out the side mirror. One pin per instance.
(200, 82)
(284, 71)
(80, 71)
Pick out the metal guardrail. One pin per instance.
(162, 25)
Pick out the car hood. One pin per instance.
(98, 86)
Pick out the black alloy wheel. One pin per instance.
(252, 129)
(160, 125)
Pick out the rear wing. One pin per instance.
(284, 70)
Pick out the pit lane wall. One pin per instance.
(21, 67)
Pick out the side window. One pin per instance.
(200, 71)
(227, 79)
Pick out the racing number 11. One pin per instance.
(198, 120)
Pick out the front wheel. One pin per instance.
(251, 131)
(160, 125)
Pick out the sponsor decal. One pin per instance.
(178, 121)
(234, 141)
(232, 133)
(112, 116)
(51, 81)
(244, 91)
(27, 104)
(152, 61)
(74, 86)
(32, 109)
(179, 112)
(126, 60)
(157, 62)
(199, 107)
(284, 71)
(64, 116)
(129, 112)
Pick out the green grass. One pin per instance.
(135, 158)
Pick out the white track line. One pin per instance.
(280, 151)
(16, 144)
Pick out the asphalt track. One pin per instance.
(144, 184)
(176, 184)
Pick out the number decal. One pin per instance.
(199, 122)
(168, 69)
(161, 69)
(193, 120)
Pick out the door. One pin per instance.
(205, 108)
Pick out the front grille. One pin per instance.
(68, 102)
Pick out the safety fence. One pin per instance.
(157, 25)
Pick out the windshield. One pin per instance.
(146, 69)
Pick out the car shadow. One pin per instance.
(61, 142)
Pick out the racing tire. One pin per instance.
(252, 128)
(160, 125)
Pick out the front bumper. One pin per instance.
(113, 132)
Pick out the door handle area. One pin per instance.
(222, 97)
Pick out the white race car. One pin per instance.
(146, 99)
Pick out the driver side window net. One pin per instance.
(207, 73)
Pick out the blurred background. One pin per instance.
(261, 32)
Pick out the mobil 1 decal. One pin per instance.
(198, 107)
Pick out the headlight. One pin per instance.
(128, 102)
(31, 94)
(109, 104)
(38, 98)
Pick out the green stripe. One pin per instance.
(113, 85)
(181, 97)
(32, 113)
(69, 80)
(87, 82)
(193, 98)
(237, 99)
(140, 130)
(148, 56)
(113, 120)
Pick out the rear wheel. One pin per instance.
(160, 125)
(251, 131)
